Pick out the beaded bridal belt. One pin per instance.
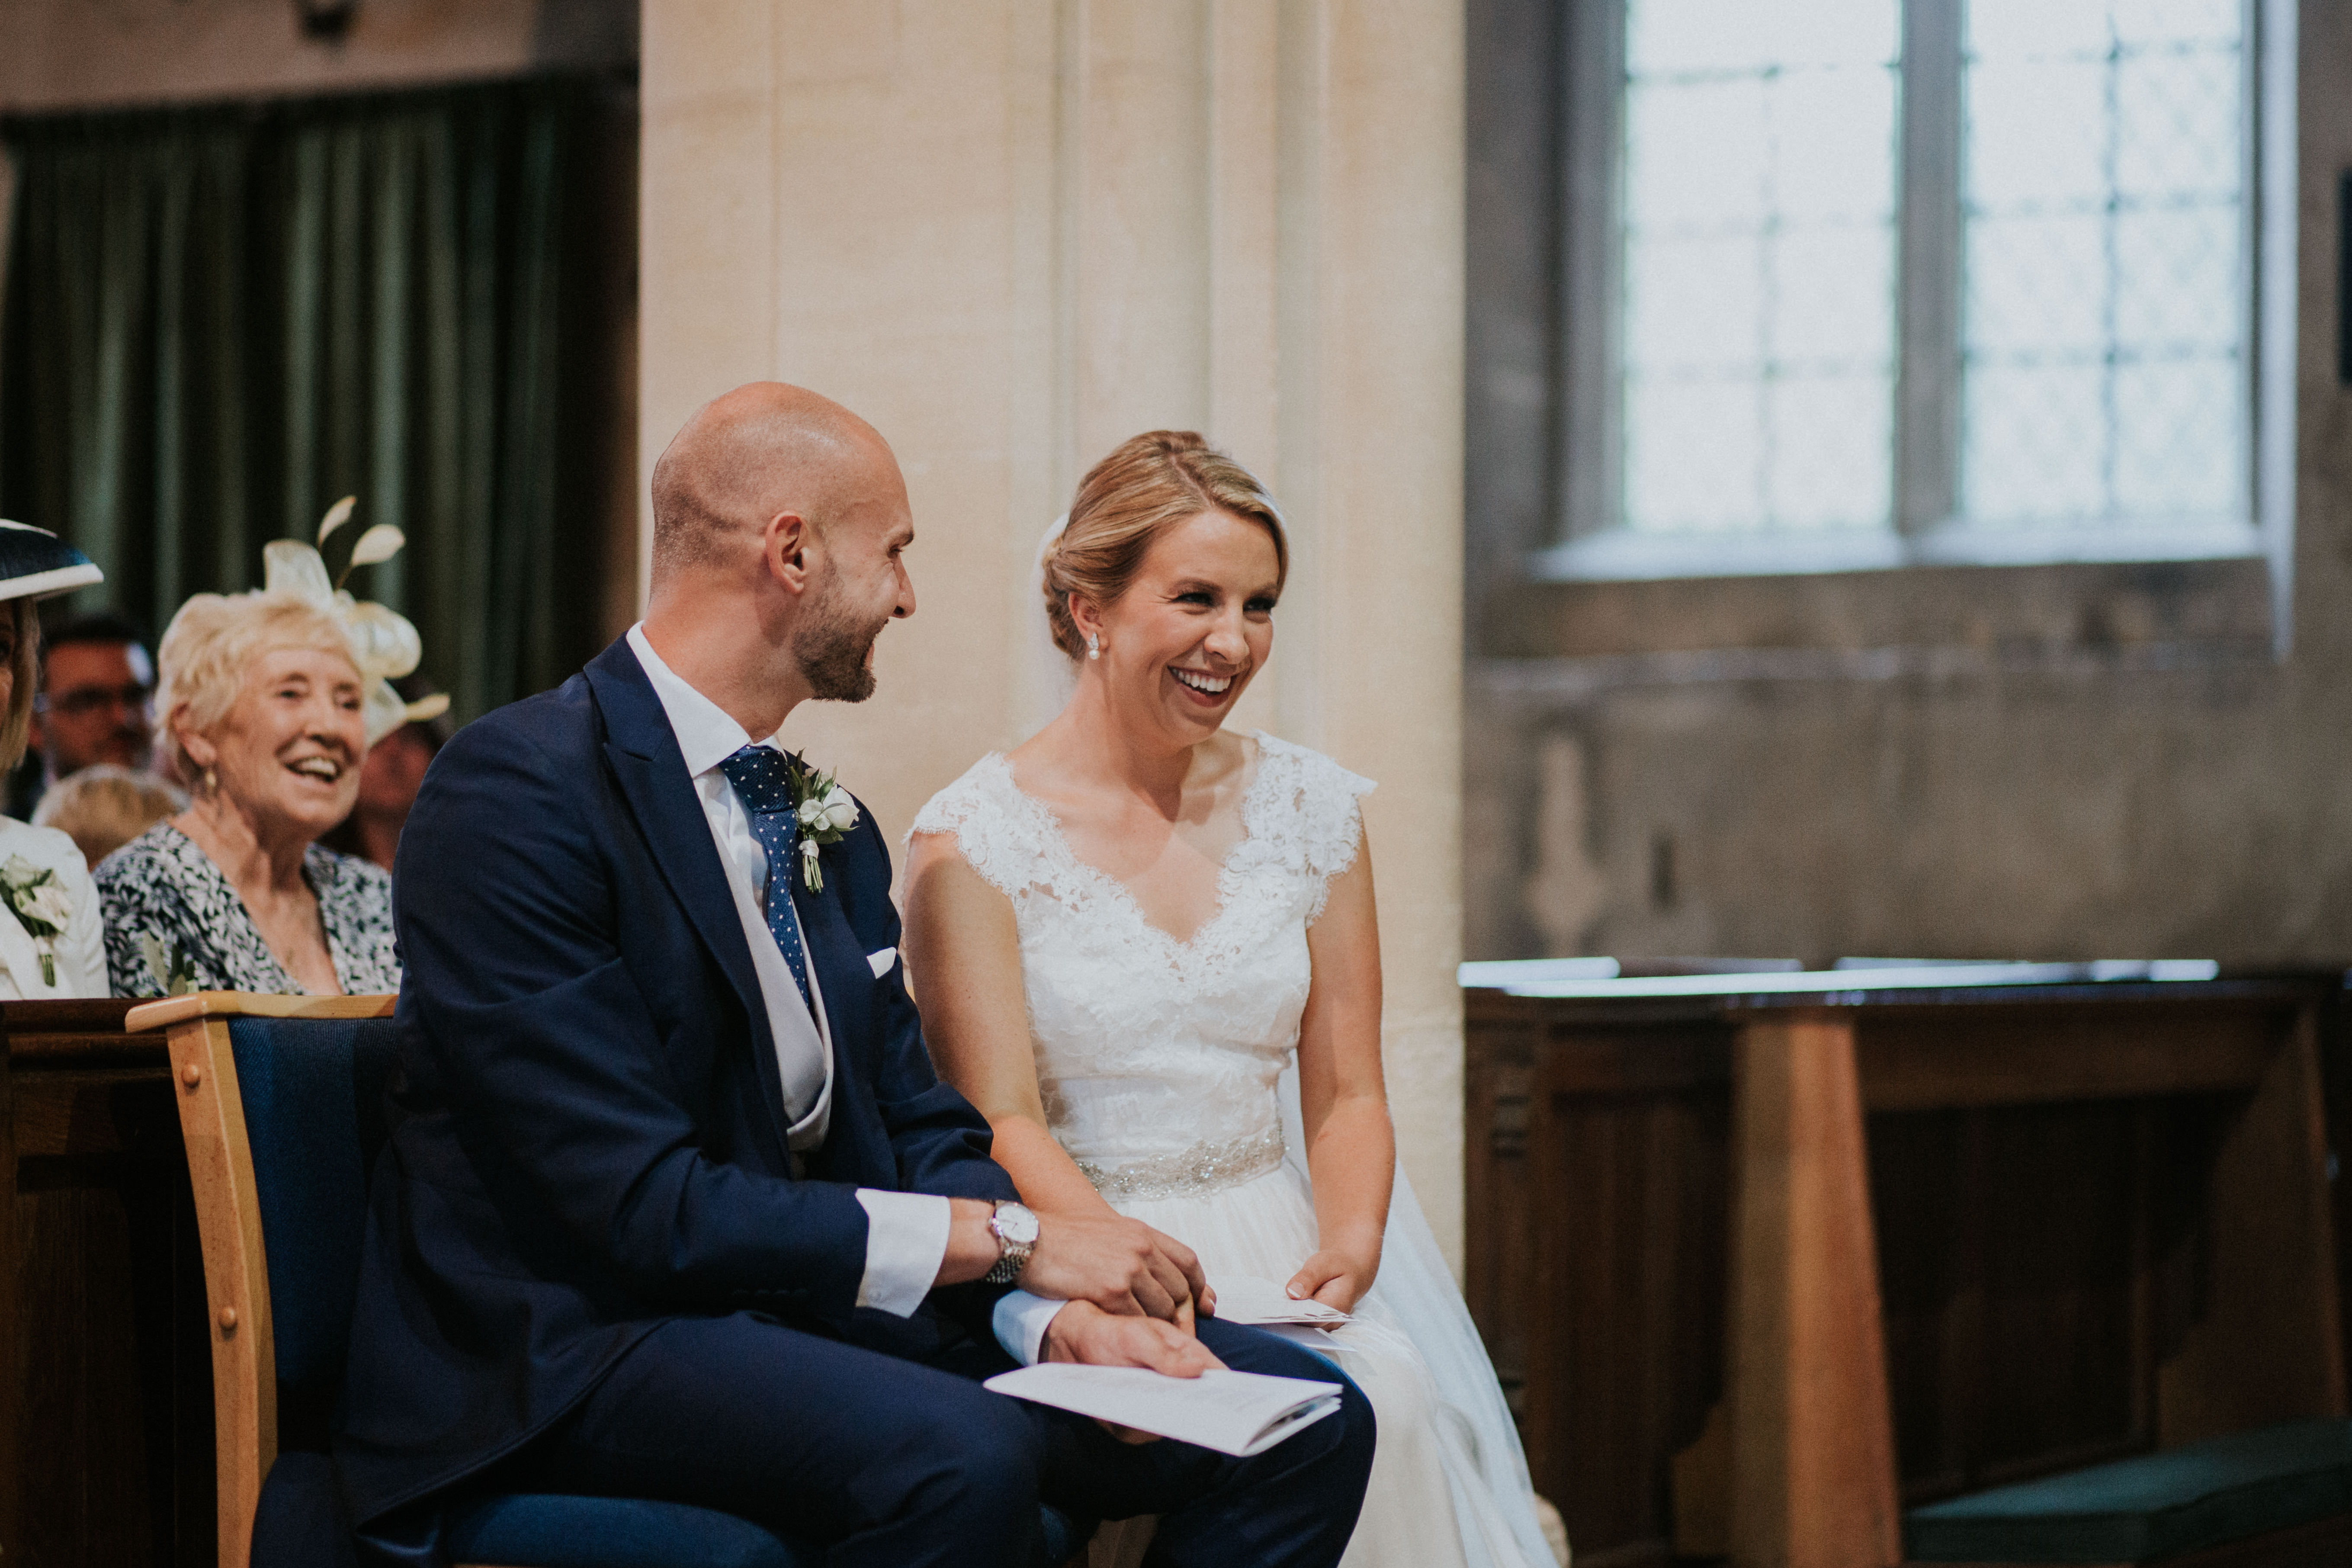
(1202, 1169)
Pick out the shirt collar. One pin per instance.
(706, 735)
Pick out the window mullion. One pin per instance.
(1587, 394)
(1927, 296)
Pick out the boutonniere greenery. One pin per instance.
(172, 974)
(42, 906)
(824, 812)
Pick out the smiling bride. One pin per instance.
(1123, 933)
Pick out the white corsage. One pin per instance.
(824, 812)
(172, 974)
(42, 907)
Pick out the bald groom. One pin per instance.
(675, 1206)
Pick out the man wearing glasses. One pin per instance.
(94, 706)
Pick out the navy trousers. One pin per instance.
(894, 1463)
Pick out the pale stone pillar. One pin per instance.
(1012, 233)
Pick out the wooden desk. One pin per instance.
(1846, 1250)
(106, 1425)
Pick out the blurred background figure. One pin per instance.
(103, 807)
(93, 704)
(389, 780)
(51, 936)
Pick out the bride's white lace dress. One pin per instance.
(1162, 1064)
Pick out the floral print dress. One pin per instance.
(161, 885)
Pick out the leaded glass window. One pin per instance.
(1881, 282)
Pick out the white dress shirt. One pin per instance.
(906, 1233)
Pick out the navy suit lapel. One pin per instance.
(644, 754)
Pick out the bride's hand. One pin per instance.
(1122, 1265)
(1335, 1278)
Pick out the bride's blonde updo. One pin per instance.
(1152, 483)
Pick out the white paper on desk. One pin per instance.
(1246, 1299)
(1237, 1413)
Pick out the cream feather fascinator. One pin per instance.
(385, 644)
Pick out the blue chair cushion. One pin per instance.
(2152, 1506)
(313, 1092)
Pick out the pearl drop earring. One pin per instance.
(1093, 646)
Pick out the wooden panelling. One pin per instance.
(1913, 1058)
(2099, 1223)
(1599, 1183)
(106, 1414)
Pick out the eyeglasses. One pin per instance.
(84, 700)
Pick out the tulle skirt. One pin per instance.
(1449, 1479)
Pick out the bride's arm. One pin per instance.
(964, 966)
(1351, 1148)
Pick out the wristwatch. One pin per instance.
(1015, 1229)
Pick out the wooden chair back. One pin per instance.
(228, 1229)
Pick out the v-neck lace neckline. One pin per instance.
(1056, 840)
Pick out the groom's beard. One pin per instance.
(831, 645)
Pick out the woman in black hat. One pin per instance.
(52, 938)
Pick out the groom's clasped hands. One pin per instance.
(1131, 1290)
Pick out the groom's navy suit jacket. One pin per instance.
(590, 1126)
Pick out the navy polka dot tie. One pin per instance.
(760, 774)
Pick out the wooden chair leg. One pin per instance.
(1812, 1443)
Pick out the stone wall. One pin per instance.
(1013, 233)
(2048, 762)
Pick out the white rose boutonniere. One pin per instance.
(825, 812)
(42, 906)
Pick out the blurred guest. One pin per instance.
(389, 780)
(103, 807)
(96, 684)
(267, 702)
(90, 706)
(51, 936)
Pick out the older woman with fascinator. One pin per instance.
(50, 938)
(267, 702)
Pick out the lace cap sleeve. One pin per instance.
(983, 812)
(1323, 811)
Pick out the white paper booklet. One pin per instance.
(1237, 1413)
(1246, 1299)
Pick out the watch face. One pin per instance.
(1018, 1225)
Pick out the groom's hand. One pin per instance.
(1122, 1266)
(1084, 1332)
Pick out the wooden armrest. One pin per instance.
(169, 1010)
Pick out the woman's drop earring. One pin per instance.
(1093, 646)
(212, 782)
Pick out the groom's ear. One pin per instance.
(784, 546)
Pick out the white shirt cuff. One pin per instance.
(1020, 1322)
(905, 1242)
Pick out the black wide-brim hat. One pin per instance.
(35, 563)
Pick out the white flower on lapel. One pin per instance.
(42, 906)
(825, 812)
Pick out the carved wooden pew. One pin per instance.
(1766, 1260)
(106, 1441)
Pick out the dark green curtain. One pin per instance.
(220, 319)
